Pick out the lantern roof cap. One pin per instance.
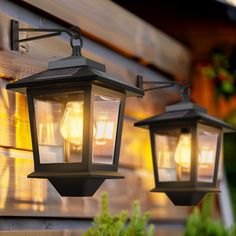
(72, 70)
(182, 112)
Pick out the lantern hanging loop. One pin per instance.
(185, 86)
(74, 33)
(185, 91)
(76, 49)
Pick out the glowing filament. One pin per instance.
(72, 123)
(183, 151)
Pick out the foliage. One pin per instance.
(201, 223)
(222, 69)
(229, 161)
(107, 225)
(137, 224)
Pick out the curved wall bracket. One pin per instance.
(73, 32)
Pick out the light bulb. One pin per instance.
(71, 127)
(104, 130)
(183, 151)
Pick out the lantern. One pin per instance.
(186, 144)
(76, 113)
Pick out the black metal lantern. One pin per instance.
(76, 113)
(186, 144)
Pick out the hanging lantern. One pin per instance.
(76, 114)
(186, 145)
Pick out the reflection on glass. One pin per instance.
(104, 129)
(207, 145)
(173, 148)
(105, 118)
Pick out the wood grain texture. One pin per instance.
(14, 123)
(123, 31)
(20, 196)
(34, 58)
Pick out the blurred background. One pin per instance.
(163, 41)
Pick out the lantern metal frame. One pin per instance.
(87, 133)
(73, 74)
(183, 115)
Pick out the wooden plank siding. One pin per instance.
(20, 196)
(35, 58)
(117, 28)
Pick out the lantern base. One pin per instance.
(186, 197)
(76, 187)
(71, 184)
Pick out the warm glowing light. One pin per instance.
(4, 181)
(29, 194)
(206, 157)
(230, 2)
(165, 157)
(72, 123)
(183, 151)
(103, 130)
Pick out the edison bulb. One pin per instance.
(183, 151)
(104, 130)
(71, 127)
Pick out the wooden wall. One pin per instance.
(113, 42)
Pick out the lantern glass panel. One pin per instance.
(173, 153)
(105, 122)
(59, 125)
(207, 151)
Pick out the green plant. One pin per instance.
(107, 225)
(137, 224)
(200, 223)
(220, 67)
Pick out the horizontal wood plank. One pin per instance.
(121, 30)
(20, 196)
(34, 58)
(14, 122)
